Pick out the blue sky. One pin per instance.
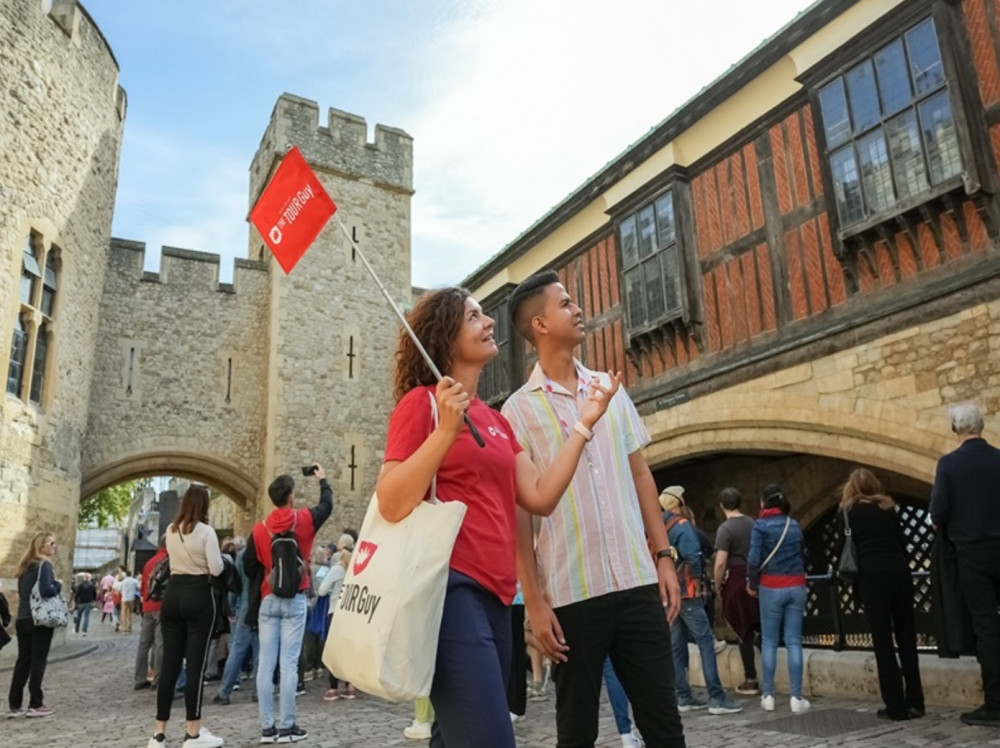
(512, 103)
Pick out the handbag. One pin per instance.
(847, 568)
(50, 612)
(316, 621)
(384, 634)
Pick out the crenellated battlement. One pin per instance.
(340, 146)
(180, 267)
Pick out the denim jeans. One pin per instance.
(82, 619)
(241, 641)
(781, 612)
(281, 625)
(618, 699)
(694, 622)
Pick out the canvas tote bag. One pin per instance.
(384, 633)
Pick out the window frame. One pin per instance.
(680, 309)
(961, 91)
(32, 323)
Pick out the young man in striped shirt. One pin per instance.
(591, 588)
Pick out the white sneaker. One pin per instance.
(631, 740)
(515, 718)
(767, 703)
(154, 743)
(418, 731)
(205, 739)
(799, 705)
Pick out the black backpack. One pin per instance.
(159, 577)
(287, 566)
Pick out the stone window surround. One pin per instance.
(36, 324)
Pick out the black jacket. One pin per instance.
(952, 622)
(966, 493)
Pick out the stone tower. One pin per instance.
(60, 138)
(331, 333)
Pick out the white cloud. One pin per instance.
(541, 96)
(512, 103)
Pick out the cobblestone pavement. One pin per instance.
(95, 705)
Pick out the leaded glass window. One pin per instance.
(889, 126)
(650, 264)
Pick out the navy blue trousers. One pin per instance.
(469, 693)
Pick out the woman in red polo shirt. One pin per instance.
(474, 649)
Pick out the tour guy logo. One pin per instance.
(365, 552)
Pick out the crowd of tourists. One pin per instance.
(569, 561)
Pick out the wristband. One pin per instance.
(583, 431)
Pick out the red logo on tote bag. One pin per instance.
(365, 552)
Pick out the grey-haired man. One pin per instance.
(965, 501)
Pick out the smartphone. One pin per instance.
(309, 470)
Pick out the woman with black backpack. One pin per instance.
(187, 616)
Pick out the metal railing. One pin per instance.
(835, 619)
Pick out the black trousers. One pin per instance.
(33, 644)
(888, 600)
(631, 627)
(517, 684)
(979, 576)
(187, 618)
(747, 656)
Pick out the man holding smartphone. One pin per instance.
(282, 620)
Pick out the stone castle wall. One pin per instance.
(60, 139)
(180, 372)
(332, 334)
(883, 404)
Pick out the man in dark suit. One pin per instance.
(966, 501)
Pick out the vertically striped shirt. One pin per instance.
(594, 542)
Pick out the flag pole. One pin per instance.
(406, 326)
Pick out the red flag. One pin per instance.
(292, 210)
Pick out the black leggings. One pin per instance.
(186, 621)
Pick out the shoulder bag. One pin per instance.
(383, 637)
(784, 532)
(47, 611)
(848, 569)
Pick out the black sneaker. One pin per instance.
(220, 699)
(292, 735)
(300, 689)
(270, 735)
(982, 716)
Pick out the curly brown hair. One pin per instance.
(436, 319)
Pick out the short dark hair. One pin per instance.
(730, 498)
(349, 531)
(523, 301)
(280, 489)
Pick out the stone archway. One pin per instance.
(900, 435)
(225, 476)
